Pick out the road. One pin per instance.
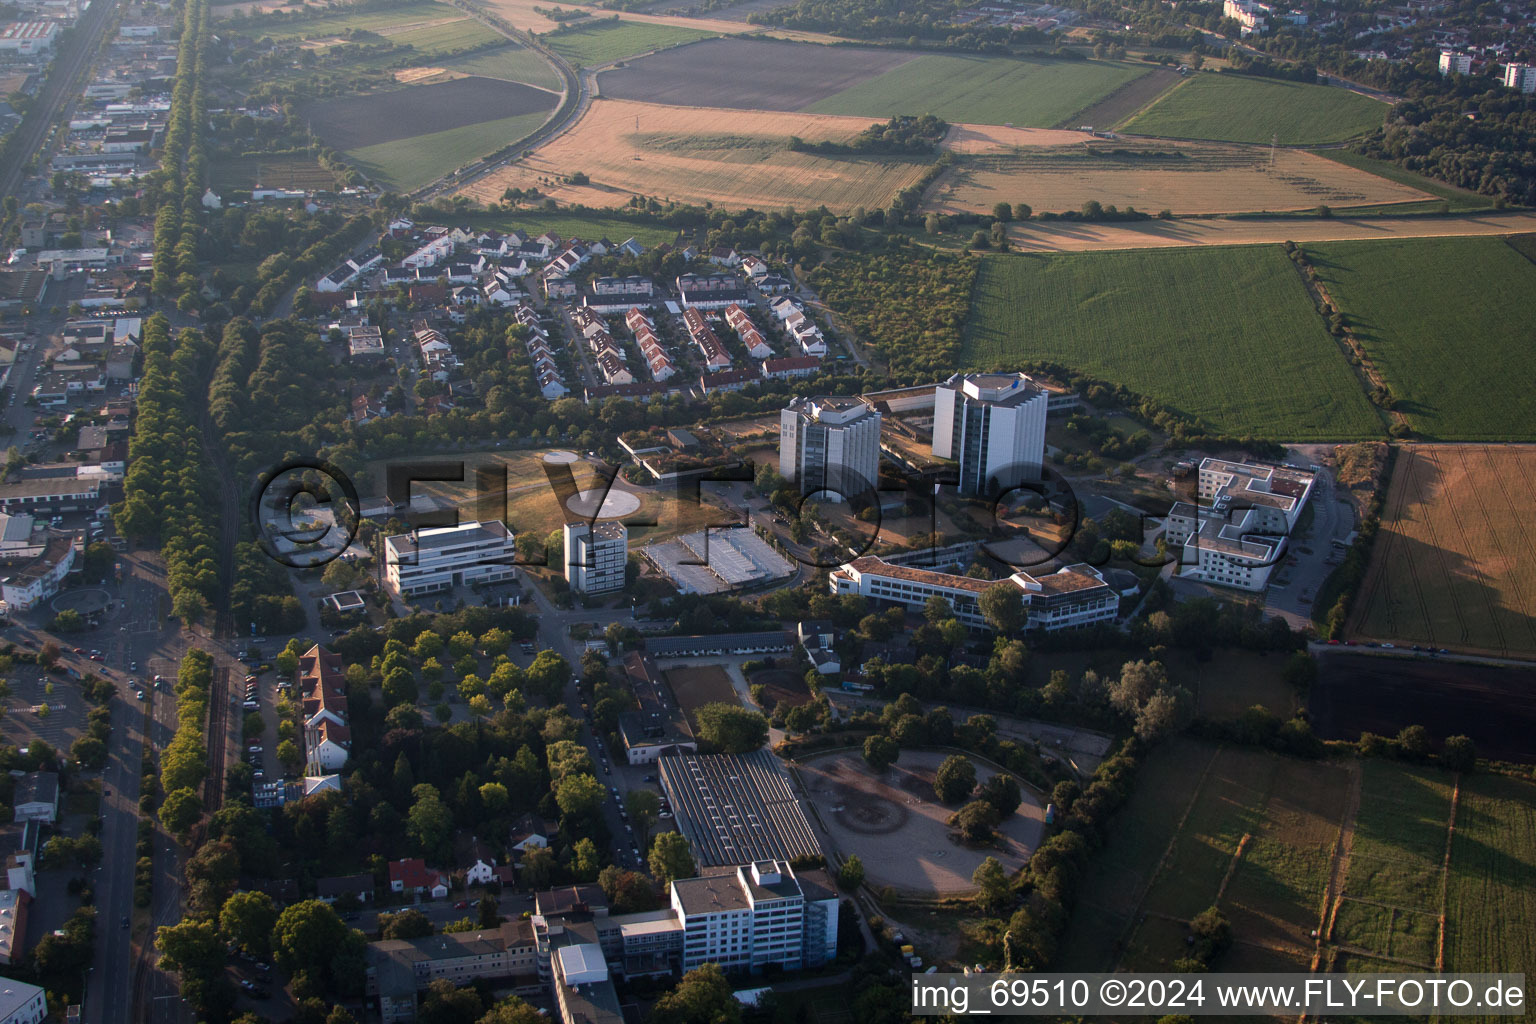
(58, 92)
(566, 114)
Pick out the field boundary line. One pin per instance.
(1351, 347)
(1445, 874)
(1162, 862)
(1525, 539)
(1237, 856)
(1338, 872)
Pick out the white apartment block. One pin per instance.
(1276, 494)
(1073, 597)
(759, 916)
(1237, 532)
(1452, 63)
(993, 425)
(1520, 76)
(1232, 552)
(428, 561)
(596, 556)
(830, 445)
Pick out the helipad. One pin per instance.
(560, 457)
(615, 506)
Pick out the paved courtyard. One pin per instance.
(896, 826)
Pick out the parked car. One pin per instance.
(461, 905)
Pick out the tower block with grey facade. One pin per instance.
(993, 425)
(595, 556)
(830, 444)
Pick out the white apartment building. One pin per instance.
(1520, 76)
(1215, 548)
(830, 445)
(1276, 494)
(1073, 597)
(993, 425)
(1237, 532)
(428, 561)
(21, 1003)
(1453, 63)
(596, 556)
(758, 916)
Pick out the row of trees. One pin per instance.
(167, 486)
(184, 762)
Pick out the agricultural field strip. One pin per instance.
(1234, 108)
(1185, 349)
(1396, 576)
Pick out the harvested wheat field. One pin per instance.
(530, 16)
(731, 158)
(1055, 175)
(1085, 236)
(1455, 562)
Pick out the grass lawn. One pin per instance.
(368, 21)
(1448, 323)
(1460, 200)
(510, 63)
(614, 40)
(1226, 335)
(982, 90)
(571, 225)
(406, 164)
(1232, 108)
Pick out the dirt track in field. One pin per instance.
(1077, 236)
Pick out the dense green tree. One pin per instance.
(671, 858)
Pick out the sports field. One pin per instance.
(605, 41)
(1455, 562)
(730, 158)
(983, 90)
(1227, 336)
(1153, 175)
(1284, 846)
(1450, 324)
(1233, 108)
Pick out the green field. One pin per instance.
(614, 40)
(1233, 108)
(1491, 895)
(570, 225)
(369, 21)
(407, 164)
(1226, 335)
(510, 63)
(982, 90)
(1449, 324)
(449, 38)
(1290, 812)
(1282, 813)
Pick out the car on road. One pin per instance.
(139, 694)
(125, 922)
(461, 905)
(1389, 646)
(665, 814)
(254, 748)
